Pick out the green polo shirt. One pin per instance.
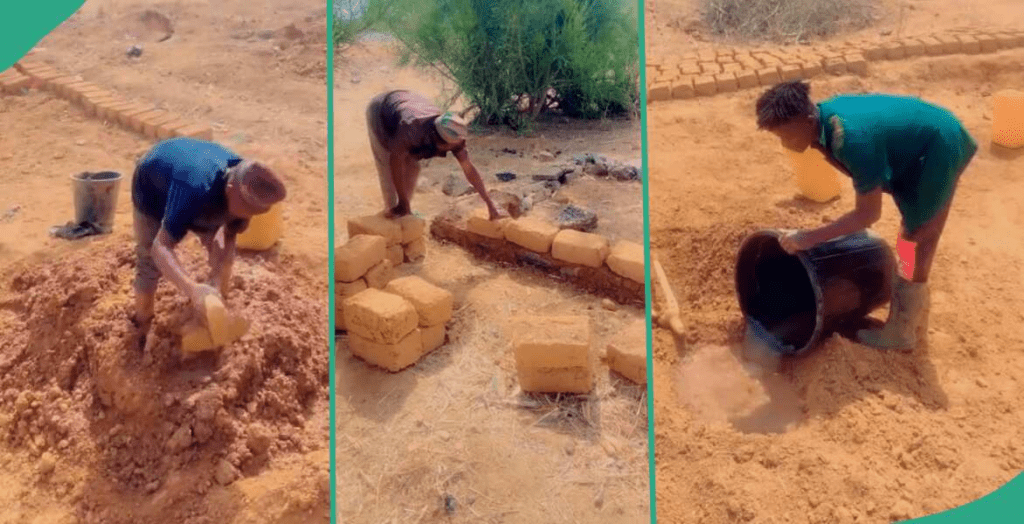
(910, 148)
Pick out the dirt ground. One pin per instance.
(92, 430)
(873, 436)
(451, 439)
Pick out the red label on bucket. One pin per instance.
(907, 251)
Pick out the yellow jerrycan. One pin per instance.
(1008, 118)
(264, 230)
(816, 179)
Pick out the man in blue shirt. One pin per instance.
(182, 185)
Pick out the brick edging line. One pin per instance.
(708, 73)
(140, 117)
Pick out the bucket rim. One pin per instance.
(819, 314)
(78, 177)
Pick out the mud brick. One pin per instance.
(873, 51)
(682, 88)
(353, 259)
(56, 86)
(732, 67)
(627, 259)
(130, 117)
(109, 112)
(392, 357)
(166, 130)
(951, 44)
(138, 122)
(77, 91)
(726, 82)
(626, 354)
(746, 79)
(480, 223)
(342, 292)
(433, 304)
(932, 46)
(152, 126)
(432, 337)
(707, 56)
(856, 64)
(553, 353)
(690, 68)
(660, 90)
(1009, 40)
(378, 276)
(91, 105)
(705, 86)
(13, 82)
(987, 43)
(415, 251)
(790, 72)
(710, 68)
(531, 233)
(969, 44)
(199, 131)
(196, 338)
(576, 247)
(835, 66)
(556, 380)
(376, 224)
(912, 48)
(396, 254)
(413, 227)
(380, 317)
(894, 50)
(768, 76)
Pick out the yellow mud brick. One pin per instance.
(790, 72)
(217, 320)
(376, 224)
(660, 90)
(564, 380)
(932, 46)
(380, 317)
(726, 83)
(357, 256)
(835, 66)
(746, 79)
(969, 44)
(627, 259)
(412, 226)
(531, 233)
(705, 86)
(626, 354)
(140, 122)
(690, 68)
(857, 64)
(551, 341)
(433, 304)
(396, 254)
(912, 48)
(576, 247)
(894, 50)
(379, 275)
(950, 44)
(151, 126)
(480, 223)
(873, 51)
(416, 250)
(768, 76)
(988, 43)
(342, 292)
(432, 337)
(195, 338)
(392, 357)
(682, 88)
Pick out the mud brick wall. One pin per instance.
(725, 70)
(99, 102)
(585, 261)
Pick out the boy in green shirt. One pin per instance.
(893, 144)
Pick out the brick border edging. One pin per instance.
(105, 105)
(708, 73)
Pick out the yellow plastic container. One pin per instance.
(816, 179)
(264, 230)
(1008, 118)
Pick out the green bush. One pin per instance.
(354, 17)
(518, 59)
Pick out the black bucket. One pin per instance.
(792, 302)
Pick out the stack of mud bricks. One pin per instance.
(623, 258)
(393, 326)
(708, 73)
(105, 105)
(404, 236)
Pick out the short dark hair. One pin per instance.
(782, 103)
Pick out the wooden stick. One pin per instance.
(670, 316)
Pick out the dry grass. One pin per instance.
(786, 20)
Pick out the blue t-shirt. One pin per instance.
(182, 182)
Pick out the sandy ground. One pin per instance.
(450, 439)
(848, 433)
(88, 425)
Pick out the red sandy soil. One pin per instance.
(878, 436)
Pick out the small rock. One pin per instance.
(546, 156)
(80, 142)
(181, 439)
(506, 176)
(265, 34)
(134, 51)
(574, 217)
(545, 178)
(450, 504)
(624, 172)
(152, 486)
(599, 170)
(291, 32)
(47, 463)
(225, 472)
(609, 305)
(356, 79)
(456, 186)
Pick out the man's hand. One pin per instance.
(795, 241)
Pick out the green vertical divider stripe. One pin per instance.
(330, 248)
(24, 24)
(653, 502)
